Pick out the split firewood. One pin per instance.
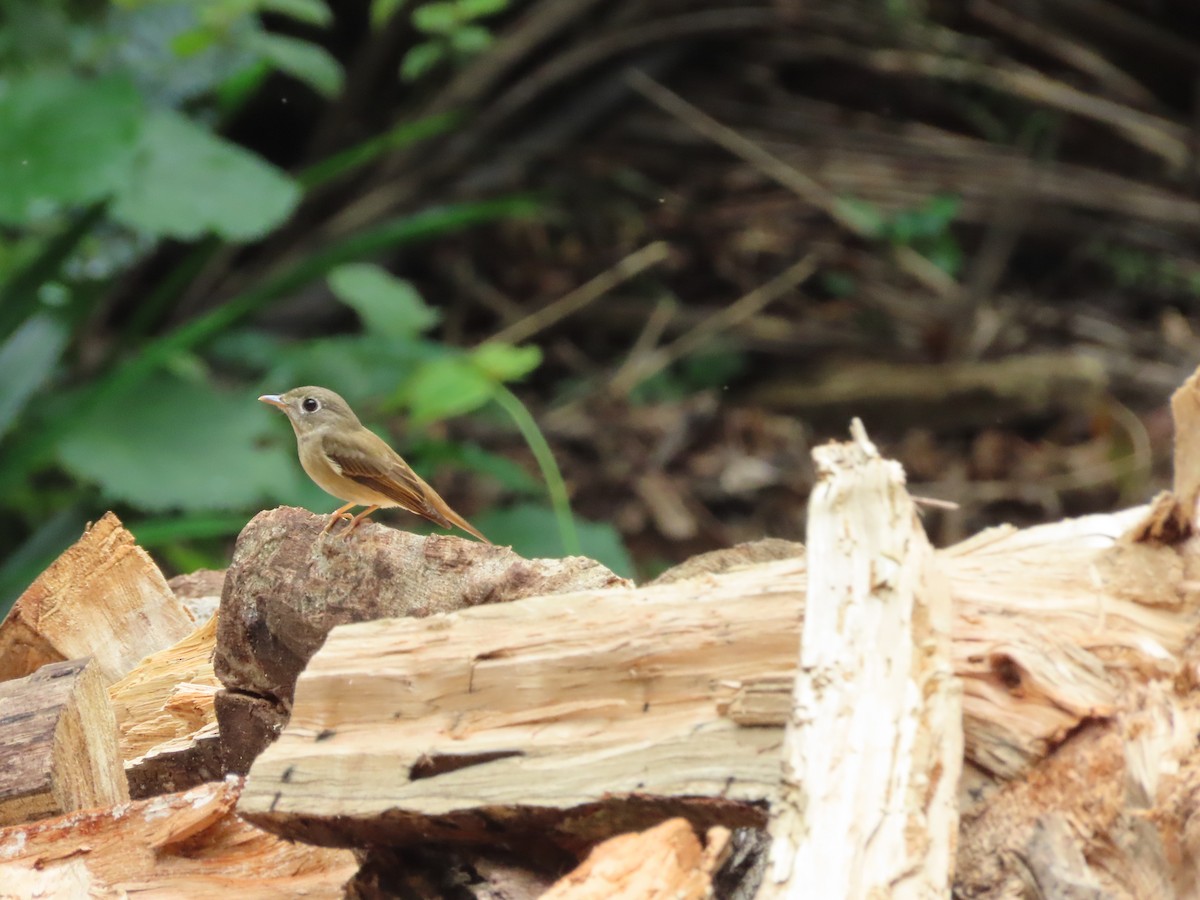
(103, 598)
(181, 845)
(666, 862)
(166, 717)
(58, 744)
(289, 584)
(873, 747)
(472, 724)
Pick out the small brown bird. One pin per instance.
(354, 464)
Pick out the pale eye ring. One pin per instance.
(310, 404)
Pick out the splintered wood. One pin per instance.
(179, 845)
(166, 717)
(102, 598)
(58, 743)
(610, 705)
(666, 862)
(873, 747)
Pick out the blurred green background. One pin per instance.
(603, 273)
(121, 388)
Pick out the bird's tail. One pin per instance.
(443, 515)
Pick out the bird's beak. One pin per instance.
(274, 400)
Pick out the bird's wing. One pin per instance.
(381, 469)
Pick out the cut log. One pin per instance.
(663, 863)
(103, 598)
(289, 584)
(58, 744)
(166, 717)
(573, 717)
(873, 747)
(182, 845)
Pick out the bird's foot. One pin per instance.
(357, 520)
(334, 519)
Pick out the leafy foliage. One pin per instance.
(190, 183)
(176, 444)
(926, 228)
(64, 142)
(530, 529)
(110, 145)
(388, 306)
(452, 32)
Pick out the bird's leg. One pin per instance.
(337, 517)
(357, 520)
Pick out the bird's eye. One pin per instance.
(311, 404)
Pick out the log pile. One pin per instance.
(396, 715)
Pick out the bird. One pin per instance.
(354, 464)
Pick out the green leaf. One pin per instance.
(27, 359)
(190, 182)
(314, 12)
(430, 454)
(171, 444)
(943, 208)
(240, 85)
(420, 59)
(190, 526)
(64, 141)
(470, 39)
(387, 305)
(192, 42)
(504, 362)
(477, 9)
(402, 135)
(302, 60)
(441, 388)
(533, 532)
(352, 365)
(382, 12)
(436, 18)
(945, 253)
